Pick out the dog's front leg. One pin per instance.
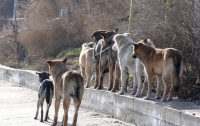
(57, 104)
(150, 77)
(135, 85)
(144, 85)
(124, 80)
(138, 76)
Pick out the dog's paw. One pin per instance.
(132, 93)
(121, 93)
(109, 89)
(157, 97)
(146, 98)
(163, 100)
(35, 117)
(169, 99)
(87, 86)
(41, 120)
(113, 90)
(137, 95)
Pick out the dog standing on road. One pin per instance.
(68, 84)
(165, 63)
(46, 91)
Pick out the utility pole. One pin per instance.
(168, 5)
(131, 15)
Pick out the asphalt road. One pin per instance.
(18, 107)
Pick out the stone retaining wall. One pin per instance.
(126, 108)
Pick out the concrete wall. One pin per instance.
(126, 108)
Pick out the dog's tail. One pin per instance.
(48, 85)
(178, 68)
(78, 89)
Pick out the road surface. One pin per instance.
(18, 107)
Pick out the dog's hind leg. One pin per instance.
(100, 85)
(159, 86)
(117, 76)
(41, 104)
(77, 105)
(165, 80)
(47, 111)
(96, 66)
(171, 88)
(38, 105)
(57, 105)
(66, 104)
(111, 70)
(88, 77)
(82, 71)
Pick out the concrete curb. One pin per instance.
(126, 108)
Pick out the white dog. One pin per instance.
(86, 61)
(128, 65)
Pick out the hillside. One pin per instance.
(168, 24)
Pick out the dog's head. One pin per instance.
(105, 35)
(121, 39)
(137, 46)
(43, 76)
(87, 45)
(57, 66)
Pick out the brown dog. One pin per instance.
(165, 63)
(68, 84)
(86, 62)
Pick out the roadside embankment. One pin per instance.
(126, 108)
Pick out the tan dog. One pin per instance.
(165, 63)
(68, 84)
(86, 61)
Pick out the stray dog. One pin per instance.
(104, 55)
(165, 63)
(68, 84)
(128, 65)
(46, 91)
(86, 61)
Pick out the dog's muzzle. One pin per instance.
(134, 56)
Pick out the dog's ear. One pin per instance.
(94, 34)
(39, 73)
(48, 74)
(135, 45)
(116, 30)
(126, 34)
(49, 62)
(145, 41)
(64, 60)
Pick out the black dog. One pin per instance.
(46, 91)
